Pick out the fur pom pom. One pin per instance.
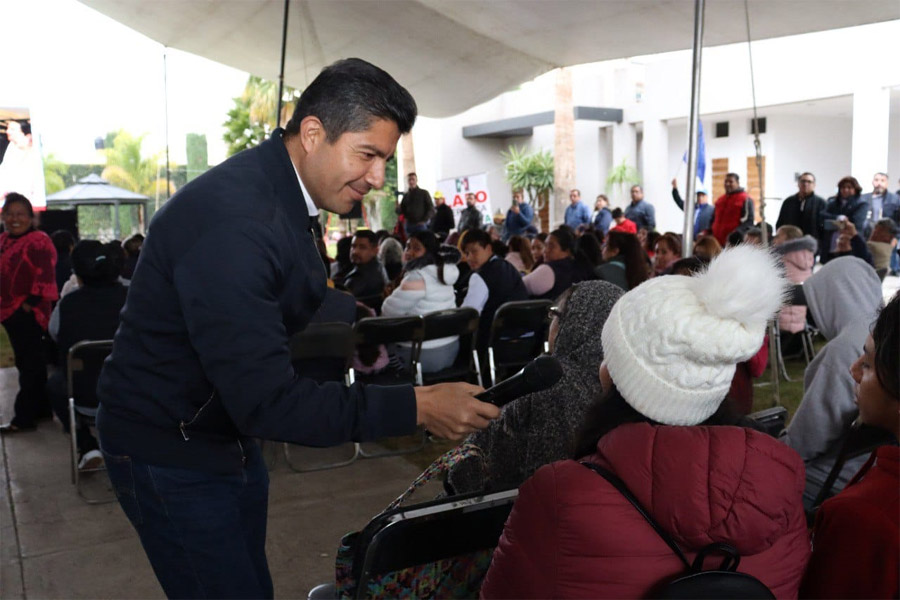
(744, 284)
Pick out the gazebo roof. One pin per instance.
(94, 190)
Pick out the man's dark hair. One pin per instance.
(477, 236)
(617, 212)
(734, 176)
(63, 241)
(888, 225)
(369, 236)
(348, 95)
(805, 173)
(638, 187)
(883, 174)
(412, 174)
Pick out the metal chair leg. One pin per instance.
(781, 366)
(477, 367)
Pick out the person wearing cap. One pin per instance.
(518, 217)
(662, 426)
(442, 221)
(703, 210)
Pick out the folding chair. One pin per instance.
(465, 527)
(518, 334)
(373, 331)
(323, 352)
(771, 420)
(84, 364)
(462, 322)
(857, 440)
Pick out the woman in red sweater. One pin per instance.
(856, 538)
(670, 349)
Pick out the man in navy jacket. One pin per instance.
(201, 364)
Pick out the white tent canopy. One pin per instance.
(454, 54)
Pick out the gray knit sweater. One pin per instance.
(538, 429)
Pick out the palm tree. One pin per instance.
(126, 168)
(253, 117)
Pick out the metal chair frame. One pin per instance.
(463, 324)
(75, 365)
(522, 313)
(317, 341)
(391, 330)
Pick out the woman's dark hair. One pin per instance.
(519, 244)
(857, 189)
(636, 269)
(435, 254)
(17, 198)
(132, 245)
(650, 240)
(611, 410)
(565, 238)
(587, 247)
(348, 95)
(689, 266)
(499, 248)
(542, 236)
(97, 264)
(735, 238)
(63, 241)
(886, 335)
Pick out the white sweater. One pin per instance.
(435, 296)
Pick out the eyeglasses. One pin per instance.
(555, 311)
(807, 181)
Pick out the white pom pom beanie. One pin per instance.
(672, 343)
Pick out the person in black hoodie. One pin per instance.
(91, 312)
(201, 362)
(443, 221)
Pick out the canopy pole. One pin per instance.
(687, 247)
(284, 33)
(166, 94)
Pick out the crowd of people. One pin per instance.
(657, 353)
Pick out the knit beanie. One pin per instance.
(671, 344)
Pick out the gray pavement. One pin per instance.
(54, 545)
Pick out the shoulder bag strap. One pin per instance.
(617, 483)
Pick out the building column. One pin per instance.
(869, 146)
(655, 175)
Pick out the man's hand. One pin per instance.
(849, 229)
(515, 208)
(450, 410)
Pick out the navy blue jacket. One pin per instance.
(516, 224)
(642, 213)
(702, 217)
(201, 363)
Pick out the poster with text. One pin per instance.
(21, 166)
(456, 188)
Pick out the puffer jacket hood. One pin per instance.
(571, 534)
(841, 292)
(739, 486)
(807, 242)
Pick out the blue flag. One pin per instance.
(701, 154)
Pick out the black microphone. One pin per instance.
(538, 375)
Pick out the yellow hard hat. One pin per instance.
(438, 194)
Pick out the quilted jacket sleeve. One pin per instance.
(524, 562)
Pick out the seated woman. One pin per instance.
(670, 347)
(560, 269)
(856, 537)
(519, 254)
(798, 255)
(538, 428)
(666, 251)
(91, 312)
(626, 263)
(427, 286)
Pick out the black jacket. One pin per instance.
(228, 272)
(443, 219)
(469, 218)
(809, 220)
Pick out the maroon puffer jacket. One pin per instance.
(572, 535)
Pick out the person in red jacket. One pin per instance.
(733, 208)
(622, 223)
(671, 346)
(856, 537)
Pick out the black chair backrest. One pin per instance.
(450, 322)
(511, 345)
(770, 420)
(424, 533)
(83, 370)
(389, 330)
(323, 351)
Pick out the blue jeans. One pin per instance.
(204, 533)
(414, 227)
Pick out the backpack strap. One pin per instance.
(617, 483)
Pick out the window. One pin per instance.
(762, 125)
(722, 129)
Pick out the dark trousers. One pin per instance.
(25, 336)
(59, 402)
(204, 533)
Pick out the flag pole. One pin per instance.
(687, 247)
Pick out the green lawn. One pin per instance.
(6, 354)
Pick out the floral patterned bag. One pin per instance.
(456, 577)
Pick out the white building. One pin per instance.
(831, 102)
